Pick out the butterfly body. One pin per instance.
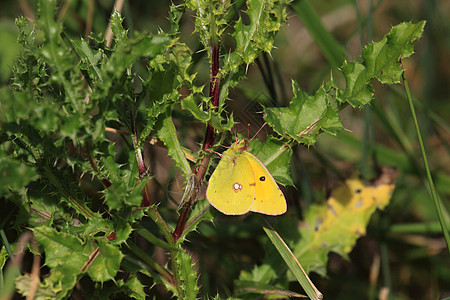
(241, 183)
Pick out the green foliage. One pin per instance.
(74, 153)
(307, 115)
(265, 18)
(380, 61)
(276, 156)
(186, 275)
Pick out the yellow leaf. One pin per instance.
(336, 224)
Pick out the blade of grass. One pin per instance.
(330, 47)
(292, 262)
(6, 243)
(369, 159)
(392, 122)
(433, 191)
(251, 287)
(348, 147)
(422, 228)
(421, 105)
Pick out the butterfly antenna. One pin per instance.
(219, 154)
(235, 134)
(265, 123)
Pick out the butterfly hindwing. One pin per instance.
(269, 199)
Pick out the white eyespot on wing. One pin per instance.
(237, 187)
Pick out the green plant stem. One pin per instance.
(422, 228)
(434, 194)
(291, 261)
(152, 263)
(6, 243)
(158, 219)
(208, 142)
(151, 238)
(2, 285)
(54, 180)
(167, 232)
(146, 201)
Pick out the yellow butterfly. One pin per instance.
(241, 183)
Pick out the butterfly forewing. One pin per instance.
(231, 188)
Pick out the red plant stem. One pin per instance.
(214, 87)
(142, 173)
(140, 161)
(208, 142)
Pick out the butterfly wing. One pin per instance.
(231, 188)
(269, 199)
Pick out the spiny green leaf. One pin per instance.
(122, 229)
(167, 133)
(200, 114)
(126, 53)
(62, 249)
(210, 19)
(143, 46)
(90, 59)
(175, 14)
(120, 194)
(276, 156)
(106, 264)
(305, 117)
(265, 18)
(45, 290)
(120, 34)
(379, 60)
(64, 254)
(56, 55)
(167, 74)
(135, 288)
(14, 174)
(382, 57)
(358, 91)
(187, 274)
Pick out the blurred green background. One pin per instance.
(406, 235)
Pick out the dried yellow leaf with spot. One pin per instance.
(336, 224)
